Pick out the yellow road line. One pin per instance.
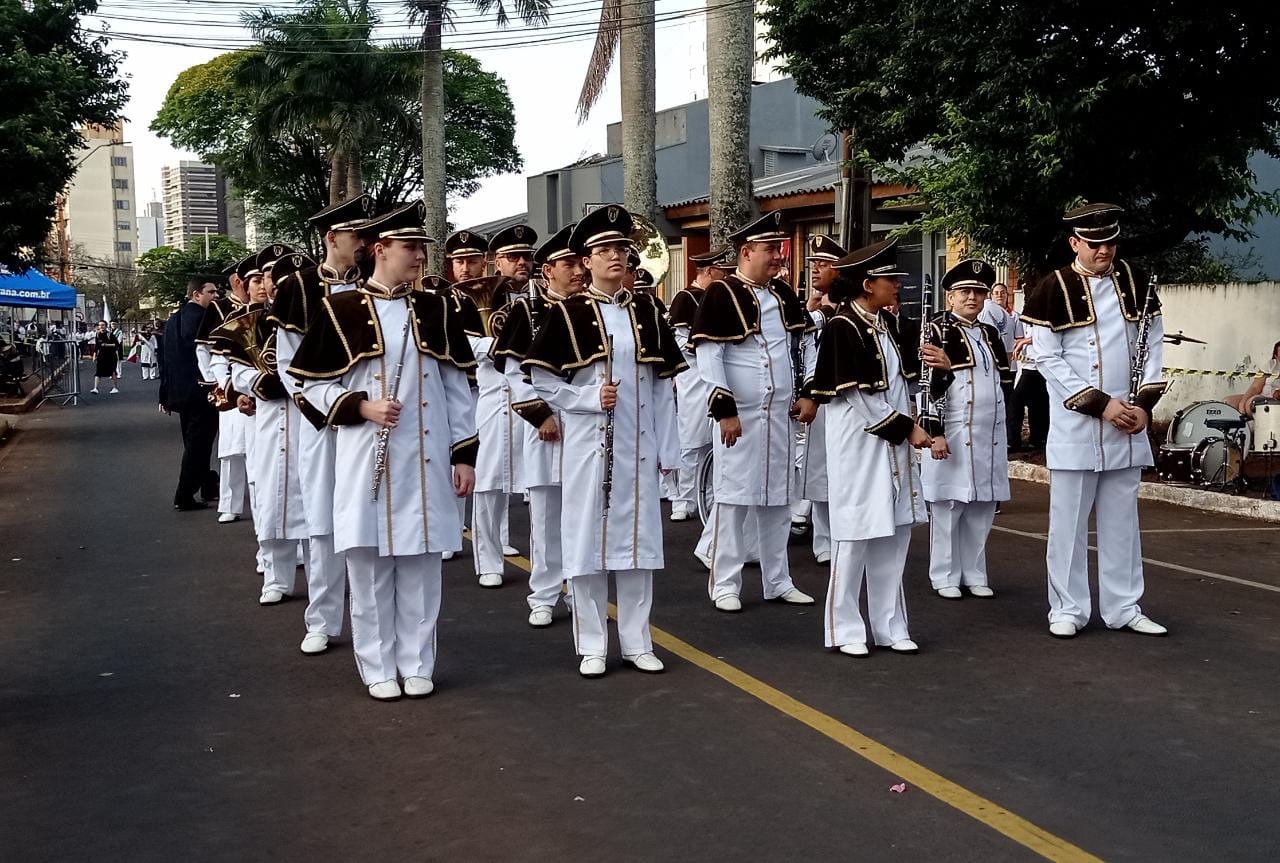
(958, 797)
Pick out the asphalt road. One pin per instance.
(151, 710)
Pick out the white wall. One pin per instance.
(1240, 322)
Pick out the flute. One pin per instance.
(607, 485)
(384, 434)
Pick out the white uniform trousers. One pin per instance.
(820, 524)
(395, 604)
(1072, 494)
(326, 587)
(232, 483)
(489, 530)
(686, 498)
(546, 573)
(882, 560)
(958, 534)
(591, 611)
(738, 532)
(280, 557)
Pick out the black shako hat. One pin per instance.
(767, 229)
(247, 260)
(876, 261)
(248, 268)
(556, 247)
(404, 222)
(608, 224)
(973, 273)
(268, 256)
(343, 216)
(820, 247)
(722, 258)
(512, 240)
(465, 244)
(1094, 223)
(290, 264)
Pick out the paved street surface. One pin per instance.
(151, 710)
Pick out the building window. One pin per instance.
(123, 226)
(124, 246)
(120, 161)
(122, 205)
(119, 183)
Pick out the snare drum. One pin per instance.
(1173, 464)
(1215, 463)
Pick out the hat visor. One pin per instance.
(970, 283)
(821, 256)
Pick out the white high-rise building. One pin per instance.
(194, 203)
(696, 37)
(100, 200)
(151, 227)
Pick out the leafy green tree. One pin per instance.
(55, 76)
(1004, 113)
(164, 270)
(284, 170)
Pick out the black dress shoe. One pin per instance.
(189, 505)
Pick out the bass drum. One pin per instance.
(1213, 463)
(1188, 427)
(704, 486)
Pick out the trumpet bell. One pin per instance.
(651, 245)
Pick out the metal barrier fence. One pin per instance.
(58, 367)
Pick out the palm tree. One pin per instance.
(318, 71)
(632, 38)
(434, 14)
(730, 57)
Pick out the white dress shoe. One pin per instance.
(270, 597)
(648, 663)
(1062, 629)
(981, 590)
(387, 690)
(448, 555)
(591, 666)
(315, 642)
(798, 528)
(510, 551)
(796, 596)
(540, 616)
(680, 515)
(854, 650)
(94, 391)
(418, 687)
(1145, 626)
(704, 559)
(114, 390)
(491, 579)
(906, 645)
(227, 518)
(950, 593)
(729, 603)
(823, 557)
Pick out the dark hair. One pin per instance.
(1273, 350)
(196, 284)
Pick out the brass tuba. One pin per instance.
(489, 293)
(652, 247)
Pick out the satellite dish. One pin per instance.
(825, 147)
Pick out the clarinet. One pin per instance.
(384, 434)
(924, 400)
(1142, 349)
(607, 485)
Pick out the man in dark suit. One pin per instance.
(181, 391)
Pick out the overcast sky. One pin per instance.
(543, 79)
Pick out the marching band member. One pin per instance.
(248, 341)
(501, 438)
(691, 392)
(1085, 322)
(296, 304)
(619, 433)
(968, 471)
(388, 366)
(543, 457)
(823, 251)
(749, 332)
(232, 425)
(862, 375)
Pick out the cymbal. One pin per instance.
(1178, 338)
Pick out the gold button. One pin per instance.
(370, 320)
(375, 346)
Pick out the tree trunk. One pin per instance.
(636, 67)
(355, 174)
(730, 56)
(433, 159)
(337, 176)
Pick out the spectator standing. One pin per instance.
(997, 312)
(106, 357)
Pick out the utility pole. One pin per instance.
(206, 242)
(855, 203)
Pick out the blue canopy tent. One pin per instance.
(34, 290)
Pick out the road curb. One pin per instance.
(1196, 498)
